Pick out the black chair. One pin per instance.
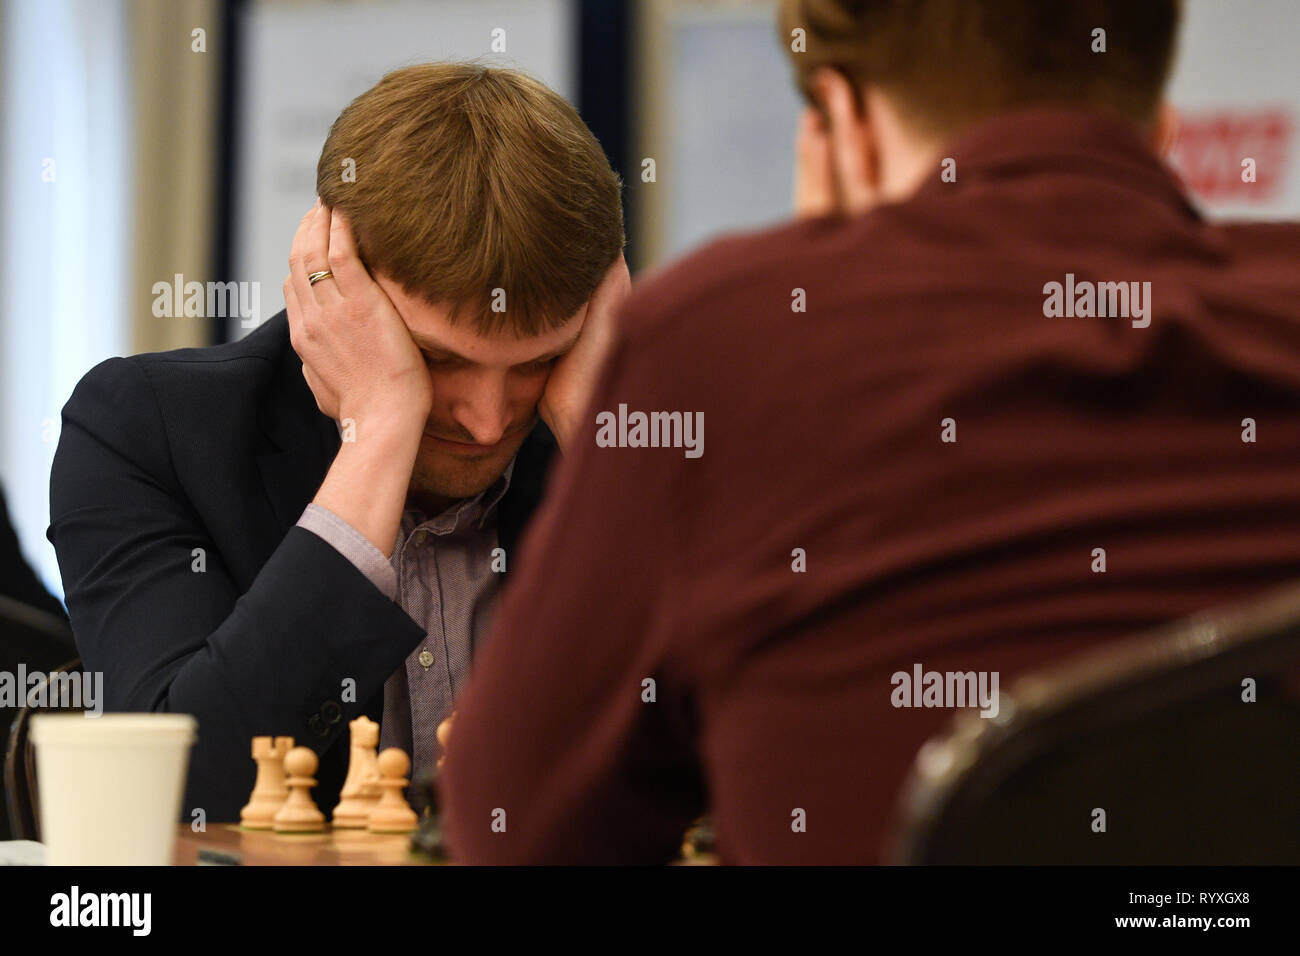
(22, 799)
(39, 642)
(1153, 731)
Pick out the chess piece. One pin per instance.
(299, 814)
(443, 733)
(428, 841)
(700, 841)
(392, 814)
(360, 790)
(269, 790)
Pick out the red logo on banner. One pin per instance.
(1210, 150)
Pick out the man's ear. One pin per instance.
(1165, 128)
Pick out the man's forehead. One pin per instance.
(432, 330)
(469, 343)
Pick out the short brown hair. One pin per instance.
(469, 179)
(947, 63)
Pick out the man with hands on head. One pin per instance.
(365, 366)
(280, 534)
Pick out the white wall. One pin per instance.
(719, 110)
(304, 62)
(63, 235)
(1237, 86)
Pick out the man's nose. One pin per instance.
(485, 412)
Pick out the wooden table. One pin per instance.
(267, 848)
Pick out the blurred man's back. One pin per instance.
(942, 465)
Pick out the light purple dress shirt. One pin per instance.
(440, 573)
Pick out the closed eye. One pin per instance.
(451, 361)
(537, 367)
(442, 361)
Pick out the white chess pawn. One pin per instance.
(392, 814)
(299, 814)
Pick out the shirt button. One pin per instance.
(426, 658)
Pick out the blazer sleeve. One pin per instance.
(17, 579)
(172, 633)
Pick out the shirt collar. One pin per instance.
(485, 502)
(497, 490)
(1060, 139)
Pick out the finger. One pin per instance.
(298, 256)
(608, 298)
(300, 238)
(617, 281)
(344, 260)
(624, 274)
(814, 187)
(294, 311)
(622, 286)
(848, 148)
(317, 255)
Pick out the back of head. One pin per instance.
(461, 179)
(949, 63)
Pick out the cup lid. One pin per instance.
(110, 730)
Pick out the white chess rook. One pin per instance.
(269, 790)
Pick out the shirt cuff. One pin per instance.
(353, 545)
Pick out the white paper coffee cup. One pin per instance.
(111, 786)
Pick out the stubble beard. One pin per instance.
(441, 478)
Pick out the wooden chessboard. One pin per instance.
(231, 844)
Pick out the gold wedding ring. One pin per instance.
(317, 276)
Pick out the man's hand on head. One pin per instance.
(833, 166)
(814, 175)
(569, 388)
(366, 372)
(357, 355)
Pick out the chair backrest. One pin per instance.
(1148, 751)
(32, 641)
(22, 798)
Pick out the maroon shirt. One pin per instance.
(825, 433)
